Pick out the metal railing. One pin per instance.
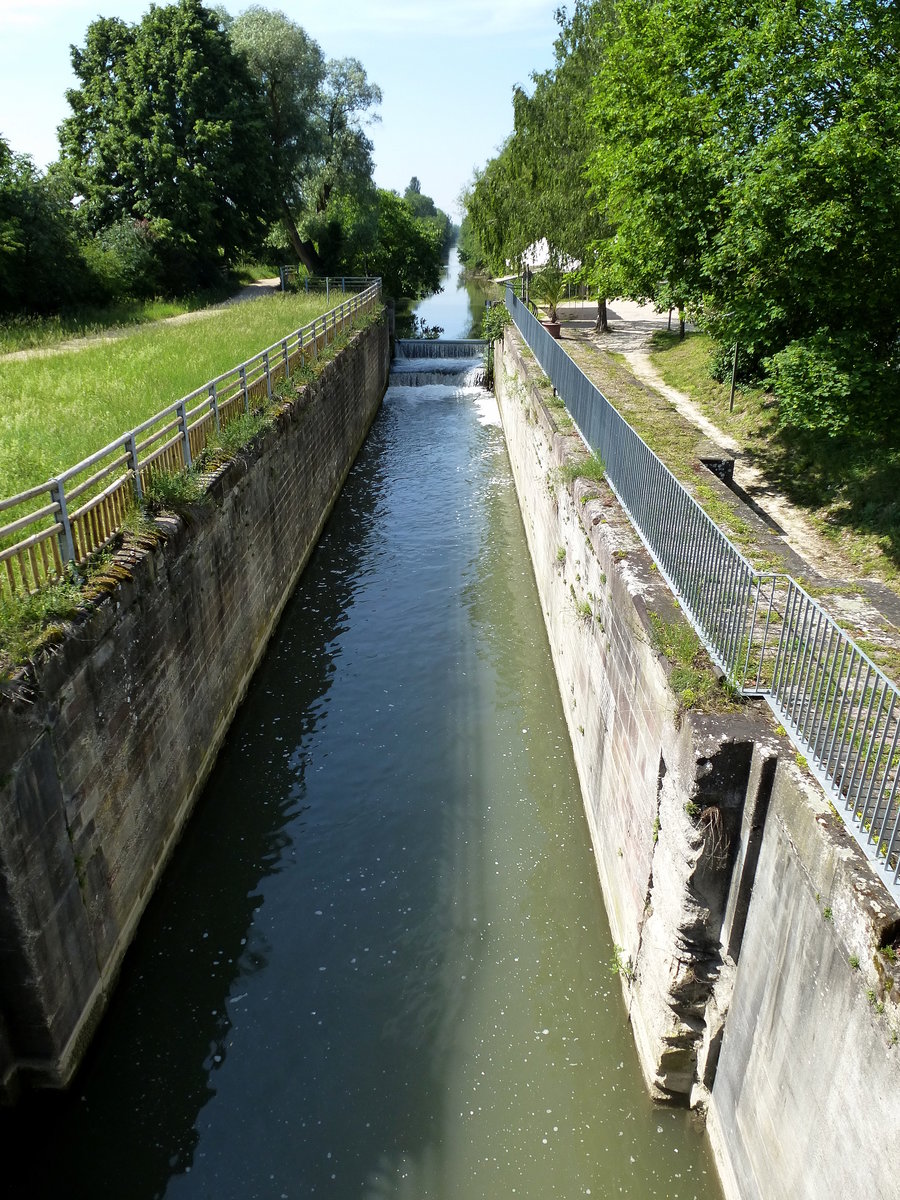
(323, 283)
(769, 636)
(69, 518)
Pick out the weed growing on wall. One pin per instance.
(692, 676)
(591, 467)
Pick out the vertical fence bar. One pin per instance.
(181, 410)
(135, 465)
(66, 540)
(242, 372)
(268, 374)
(214, 401)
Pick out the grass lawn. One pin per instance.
(58, 409)
(30, 332)
(850, 486)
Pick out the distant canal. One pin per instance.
(379, 964)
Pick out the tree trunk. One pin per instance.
(681, 325)
(602, 323)
(305, 251)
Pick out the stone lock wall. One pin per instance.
(106, 744)
(746, 921)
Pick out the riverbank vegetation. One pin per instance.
(197, 142)
(738, 162)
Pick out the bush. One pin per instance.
(127, 257)
(721, 362)
(832, 382)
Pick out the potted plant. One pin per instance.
(547, 288)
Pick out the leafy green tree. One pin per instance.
(537, 189)
(289, 69)
(748, 152)
(408, 252)
(41, 266)
(166, 127)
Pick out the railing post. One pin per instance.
(242, 371)
(287, 359)
(343, 283)
(214, 400)
(181, 410)
(135, 466)
(281, 274)
(66, 540)
(268, 374)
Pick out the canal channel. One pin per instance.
(379, 965)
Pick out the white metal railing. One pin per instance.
(71, 517)
(768, 635)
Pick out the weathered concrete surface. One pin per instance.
(748, 926)
(663, 792)
(806, 1101)
(106, 744)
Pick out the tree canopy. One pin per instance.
(195, 138)
(737, 159)
(166, 127)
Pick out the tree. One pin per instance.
(166, 127)
(749, 155)
(537, 190)
(41, 266)
(289, 69)
(316, 113)
(407, 253)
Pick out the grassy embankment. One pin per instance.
(81, 397)
(849, 486)
(30, 332)
(56, 410)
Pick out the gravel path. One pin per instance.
(631, 328)
(253, 291)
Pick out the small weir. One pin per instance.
(379, 965)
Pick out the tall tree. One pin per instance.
(316, 113)
(537, 188)
(749, 153)
(289, 69)
(166, 128)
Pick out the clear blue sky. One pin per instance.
(446, 69)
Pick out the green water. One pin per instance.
(379, 965)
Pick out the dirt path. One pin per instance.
(253, 291)
(631, 328)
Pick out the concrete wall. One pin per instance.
(718, 859)
(806, 1100)
(106, 743)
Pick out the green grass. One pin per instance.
(31, 333)
(250, 272)
(849, 486)
(692, 676)
(27, 332)
(57, 410)
(589, 466)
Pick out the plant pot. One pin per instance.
(552, 328)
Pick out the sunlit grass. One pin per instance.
(56, 410)
(30, 333)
